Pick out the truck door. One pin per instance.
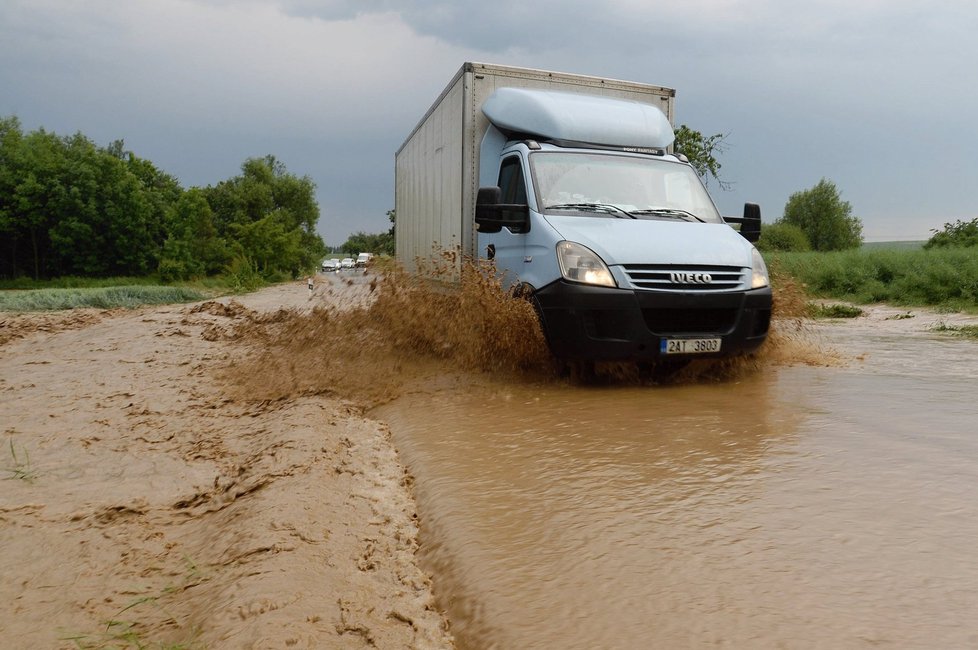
(508, 246)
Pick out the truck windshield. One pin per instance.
(619, 185)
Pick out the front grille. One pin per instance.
(690, 321)
(687, 277)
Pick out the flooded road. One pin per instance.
(802, 507)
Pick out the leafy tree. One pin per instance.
(271, 244)
(783, 237)
(103, 220)
(957, 234)
(162, 192)
(69, 207)
(702, 152)
(824, 217)
(380, 243)
(193, 247)
(266, 200)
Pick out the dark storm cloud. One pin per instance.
(872, 95)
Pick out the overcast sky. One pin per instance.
(878, 96)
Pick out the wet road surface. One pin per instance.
(805, 506)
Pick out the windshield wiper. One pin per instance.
(670, 213)
(594, 207)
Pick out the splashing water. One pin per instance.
(413, 327)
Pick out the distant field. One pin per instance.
(894, 245)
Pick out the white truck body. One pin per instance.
(566, 182)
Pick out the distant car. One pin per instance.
(363, 259)
(347, 263)
(331, 265)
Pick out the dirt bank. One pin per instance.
(142, 503)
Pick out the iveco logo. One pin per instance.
(681, 277)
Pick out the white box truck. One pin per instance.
(568, 184)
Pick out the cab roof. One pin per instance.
(557, 115)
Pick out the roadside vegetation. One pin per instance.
(112, 297)
(71, 208)
(945, 278)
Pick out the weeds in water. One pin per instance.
(21, 469)
(818, 310)
(123, 634)
(967, 331)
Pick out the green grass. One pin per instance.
(21, 468)
(945, 279)
(124, 631)
(99, 297)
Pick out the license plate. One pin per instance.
(689, 346)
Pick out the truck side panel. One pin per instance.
(428, 182)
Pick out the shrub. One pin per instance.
(783, 237)
(959, 233)
(824, 217)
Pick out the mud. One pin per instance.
(144, 504)
(220, 475)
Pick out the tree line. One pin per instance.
(70, 207)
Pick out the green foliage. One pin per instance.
(946, 278)
(269, 217)
(959, 233)
(242, 275)
(380, 244)
(70, 208)
(783, 237)
(824, 217)
(701, 151)
(193, 247)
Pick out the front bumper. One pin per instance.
(584, 322)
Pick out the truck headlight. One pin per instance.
(760, 277)
(581, 264)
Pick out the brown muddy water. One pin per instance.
(797, 504)
(797, 507)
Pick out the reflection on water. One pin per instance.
(808, 507)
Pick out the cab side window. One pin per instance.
(511, 182)
(512, 188)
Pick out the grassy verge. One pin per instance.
(25, 294)
(98, 297)
(946, 279)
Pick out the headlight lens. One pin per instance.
(760, 278)
(581, 264)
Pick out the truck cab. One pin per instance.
(569, 186)
(615, 239)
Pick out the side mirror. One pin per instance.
(750, 227)
(492, 216)
(750, 223)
